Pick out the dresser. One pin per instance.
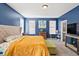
(43, 34)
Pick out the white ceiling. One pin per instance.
(54, 10)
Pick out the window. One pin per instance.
(31, 26)
(22, 25)
(52, 27)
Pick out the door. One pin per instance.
(63, 30)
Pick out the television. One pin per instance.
(71, 28)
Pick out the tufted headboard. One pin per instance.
(6, 30)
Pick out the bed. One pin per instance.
(14, 44)
(28, 46)
(7, 34)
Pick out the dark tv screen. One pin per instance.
(71, 28)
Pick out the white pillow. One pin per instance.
(4, 46)
(12, 37)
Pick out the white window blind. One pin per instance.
(31, 26)
(52, 27)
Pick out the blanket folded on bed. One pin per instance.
(28, 46)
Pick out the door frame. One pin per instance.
(64, 21)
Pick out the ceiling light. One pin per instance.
(45, 6)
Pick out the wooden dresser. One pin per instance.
(43, 34)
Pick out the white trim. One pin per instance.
(22, 25)
(62, 28)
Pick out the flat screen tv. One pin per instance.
(71, 28)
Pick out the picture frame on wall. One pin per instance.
(42, 23)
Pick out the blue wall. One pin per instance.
(47, 24)
(72, 16)
(8, 16)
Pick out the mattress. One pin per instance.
(51, 47)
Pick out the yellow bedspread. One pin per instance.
(28, 46)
